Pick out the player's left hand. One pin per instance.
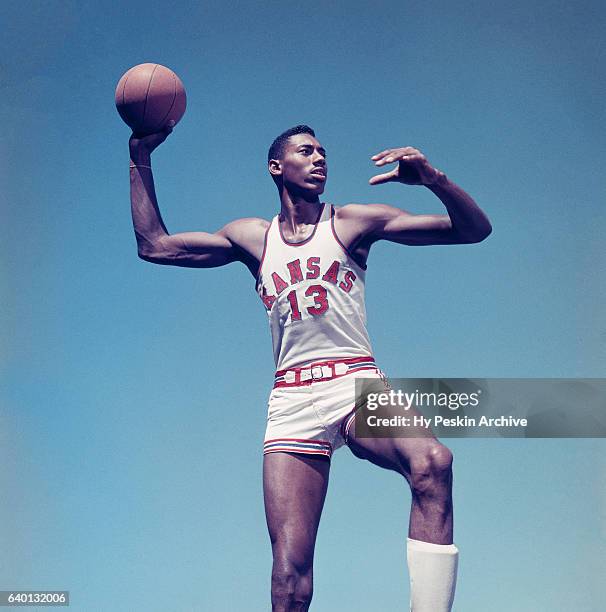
(412, 169)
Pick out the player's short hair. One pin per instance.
(276, 151)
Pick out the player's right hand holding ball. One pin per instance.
(140, 144)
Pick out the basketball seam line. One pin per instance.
(124, 85)
(126, 76)
(173, 102)
(147, 92)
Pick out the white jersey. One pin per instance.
(313, 291)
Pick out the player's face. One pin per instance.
(303, 165)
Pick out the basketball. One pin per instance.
(148, 96)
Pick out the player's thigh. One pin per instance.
(294, 489)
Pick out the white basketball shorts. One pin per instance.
(311, 409)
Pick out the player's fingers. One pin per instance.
(404, 153)
(411, 157)
(164, 133)
(389, 159)
(393, 153)
(381, 154)
(157, 138)
(381, 178)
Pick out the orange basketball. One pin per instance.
(148, 96)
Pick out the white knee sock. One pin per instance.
(433, 575)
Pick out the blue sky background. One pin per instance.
(134, 396)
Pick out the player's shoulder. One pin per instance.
(246, 225)
(245, 232)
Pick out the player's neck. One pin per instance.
(296, 210)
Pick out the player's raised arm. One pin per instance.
(154, 243)
(464, 223)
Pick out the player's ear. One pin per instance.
(275, 167)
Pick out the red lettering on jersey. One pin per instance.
(294, 267)
(268, 300)
(320, 300)
(331, 273)
(295, 313)
(313, 267)
(347, 283)
(279, 283)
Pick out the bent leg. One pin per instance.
(427, 466)
(294, 488)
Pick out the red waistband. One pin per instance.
(295, 379)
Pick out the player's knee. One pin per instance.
(431, 469)
(304, 591)
(290, 589)
(283, 582)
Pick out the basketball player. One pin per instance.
(309, 262)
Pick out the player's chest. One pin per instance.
(309, 273)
